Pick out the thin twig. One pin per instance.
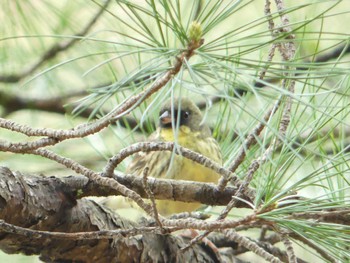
(263, 232)
(211, 225)
(268, 247)
(270, 56)
(22, 147)
(169, 146)
(289, 248)
(94, 127)
(314, 246)
(253, 167)
(289, 52)
(250, 245)
(334, 216)
(249, 141)
(108, 182)
(164, 146)
(102, 234)
(151, 197)
(271, 26)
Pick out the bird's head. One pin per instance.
(184, 112)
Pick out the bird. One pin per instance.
(180, 121)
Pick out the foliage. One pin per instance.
(236, 75)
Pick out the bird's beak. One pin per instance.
(165, 118)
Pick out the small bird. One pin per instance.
(192, 134)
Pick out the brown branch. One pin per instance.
(102, 234)
(221, 240)
(163, 189)
(150, 196)
(341, 216)
(148, 146)
(332, 54)
(289, 248)
(22, 147)
(314, 246)
(87, 212)
(211, 225)
(93, 176)
(110, 183)
(91, 128)
(62, 197)
(249, 141)
(14, 102)
(45, 205)
(166, 146)
(251, 246)
(287, 51)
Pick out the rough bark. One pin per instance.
(48, 204)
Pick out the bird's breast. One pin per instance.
(191, 170)
(183, 135)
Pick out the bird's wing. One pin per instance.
(158, 162)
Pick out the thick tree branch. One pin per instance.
(186, 191)
(44, 202)
(47, 204)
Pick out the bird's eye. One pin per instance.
(186, 114)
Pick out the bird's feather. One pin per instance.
(190, 134)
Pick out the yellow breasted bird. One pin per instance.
(191, 134)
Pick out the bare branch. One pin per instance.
(289, 248)
(221, 240)
(49, 208)
(211, 225)
(166, 146)
(108, 182)
(94, 127)
(163, 189)
(252, 246)
(314, 246)
(151, 197)
(103, 234)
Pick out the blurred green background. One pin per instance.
(82, 77)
